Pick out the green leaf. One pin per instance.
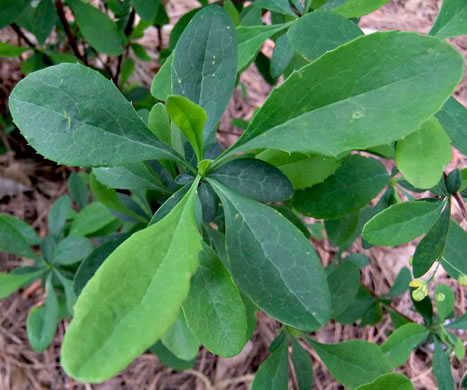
(71, 250)
(146, 9)
(281, 56)
(359, 259)
(431, 247)
(350, 102)
(455, 252)
(134, 176)
(180, 339)
(161, 86)
(402, 341)
(281, 6)
(11, 282)
(27, 231)
(293, 217)
(302, 365)
(389, 381)
(273, 374)
(402, 222)
(250, 39)
(445, 300)
(127, 69)
(318, 32)
(353, 362)
(78, 190)
(341, 230)
(90, 219)
(453, 117)
(451, 20)
(302, 170)
(357, 181)
(354, 8)
(42, 321)
(58, 215)
(74, 107)
(459, 323)
(91, 264)
(344, 283)
(181, 25)
(209, 202)
(190, 119)
(44, 18)
(169, 359)
(401, 284)
(11, 9)
(7, 50)
(442, 368)
(159, 124)
(232, 11)
(423, 155)
(12, 240)
(127, 306)
(357, 309)
(97, 28)
(214, 309)
(274, 253)
(255, 179)
(208, 79)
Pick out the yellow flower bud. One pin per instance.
(418, 295)
(417, 283)
(439, 297)
(462, 280)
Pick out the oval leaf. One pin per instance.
(273, 252)
(128, 305)
(65, 108)
(389, 381)
(451, 19)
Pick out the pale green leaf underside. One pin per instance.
(382, 94)
(73, 115)
(264, 249)
(134, 297)
(389, 381)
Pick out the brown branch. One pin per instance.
(70, 37)
(293, 374)
(461, 205)
(22, 36)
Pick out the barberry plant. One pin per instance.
(227, 237)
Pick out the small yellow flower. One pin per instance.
(418, 295)
(462, 280)
(439, 297)
(421, 289)
(417, 283)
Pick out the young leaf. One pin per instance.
(180, 339)
(453, 117)
(71, 250)
(27, 231)
(41, 324)
(58, 215)
(78, 190)
(43, 20)
(281, 56)
(341, 230)
(7, 50)
(159, 124)
(423, 155)
(344, 283)
(273, 374)
(358, 180)
(146, 9)
(388, 381)
(169, 359)
(444, 299)
(402, 222)
(442, 368)
(451, 20)
(214, 309)
(354, 8)
(402, 341)
(208, 79)
(302, 365)
(255, 179)
(455, 253)
(318, 32)
(431, 247)
(350, 102)
(128, 305)
(273, 252)
(401, 284)
(132, 176)
(74, 107)
(302, 170)
(90, 219)
(161, 86)
(250, 40)
(11, 282)
(353, 362)
(97, 28)
(459, 323)
(190, 119)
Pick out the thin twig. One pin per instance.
(461, 205)
(70, 37)
(22, 36)
(293, 374)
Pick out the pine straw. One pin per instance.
(22, 368)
